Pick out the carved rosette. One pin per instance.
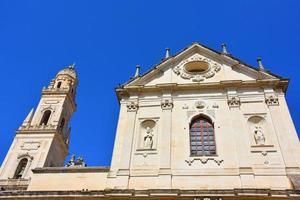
(272, 100)
(166, 104)
(234, 101)
(213, 68)
(132, 106)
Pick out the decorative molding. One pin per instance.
(167, 104)
(132, 106)
(203, 161)
(29, 146)
(234, 101)
(25, 155)
(213, 68)
(200, 104)
(271, 100)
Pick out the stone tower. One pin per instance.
(43, 138)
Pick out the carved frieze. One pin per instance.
(234, 101)
(166, 104)
(272, 100)
(132, 106)
(209, 71)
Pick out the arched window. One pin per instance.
(202, 137)
(62, 124)
(21, 168)
(58, 84)
(45, 117)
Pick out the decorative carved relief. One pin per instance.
(234, 101)
(166, 104)
(211, 69)
(200, 104)
(29, 146)
(132, 106)
(259, 136)
(203, 161)
(272, 100)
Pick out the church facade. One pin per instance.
(201, 124)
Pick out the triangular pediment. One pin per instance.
(199, 64)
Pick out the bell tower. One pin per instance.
(43, 138)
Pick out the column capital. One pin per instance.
(234, 101)
(132, 106)
(167, 104)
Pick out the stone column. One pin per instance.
(126, 137)
(241, 141)
(285, 131)
(165, 143)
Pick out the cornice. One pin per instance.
(275, 83)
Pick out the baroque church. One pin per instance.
(200, 125)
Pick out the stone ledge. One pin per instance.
(45, 170)
(155, 193)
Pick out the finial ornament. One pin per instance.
(137, 71)
(260, 65)
(167, 53)
(224, 49)
(72, 66)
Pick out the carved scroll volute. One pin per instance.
(272, 100)
(166, 104)
(234, 101)
(132, 106)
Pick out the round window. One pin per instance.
(196, 66)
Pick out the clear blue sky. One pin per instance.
(107, 39)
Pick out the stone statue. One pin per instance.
(71, 161)
(148, 138)
(259, 136)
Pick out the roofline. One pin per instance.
(213, 50)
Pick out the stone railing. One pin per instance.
(38, 127)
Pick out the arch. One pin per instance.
(21, 168)
(202, 136)
(58, 84)
(45, 118)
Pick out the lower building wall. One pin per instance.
(68, 181)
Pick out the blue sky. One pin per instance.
(106, 39)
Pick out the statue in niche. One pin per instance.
(259, 136)
(148, 138)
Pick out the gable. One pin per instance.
(199, 64)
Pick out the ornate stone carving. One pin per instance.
(79, 162)
(203, 161)
(259, 136)
(212, 69)
(200, 104)
(234, 101)
(29, 146)
(272, 100)
(148, 138)
(167, 104)
(132, 106)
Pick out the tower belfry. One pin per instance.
(43, 138)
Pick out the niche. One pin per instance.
(147, 135)
(259, 135)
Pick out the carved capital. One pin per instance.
(132, 106)
(272, 100)
(234, 101)
(166, 104)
